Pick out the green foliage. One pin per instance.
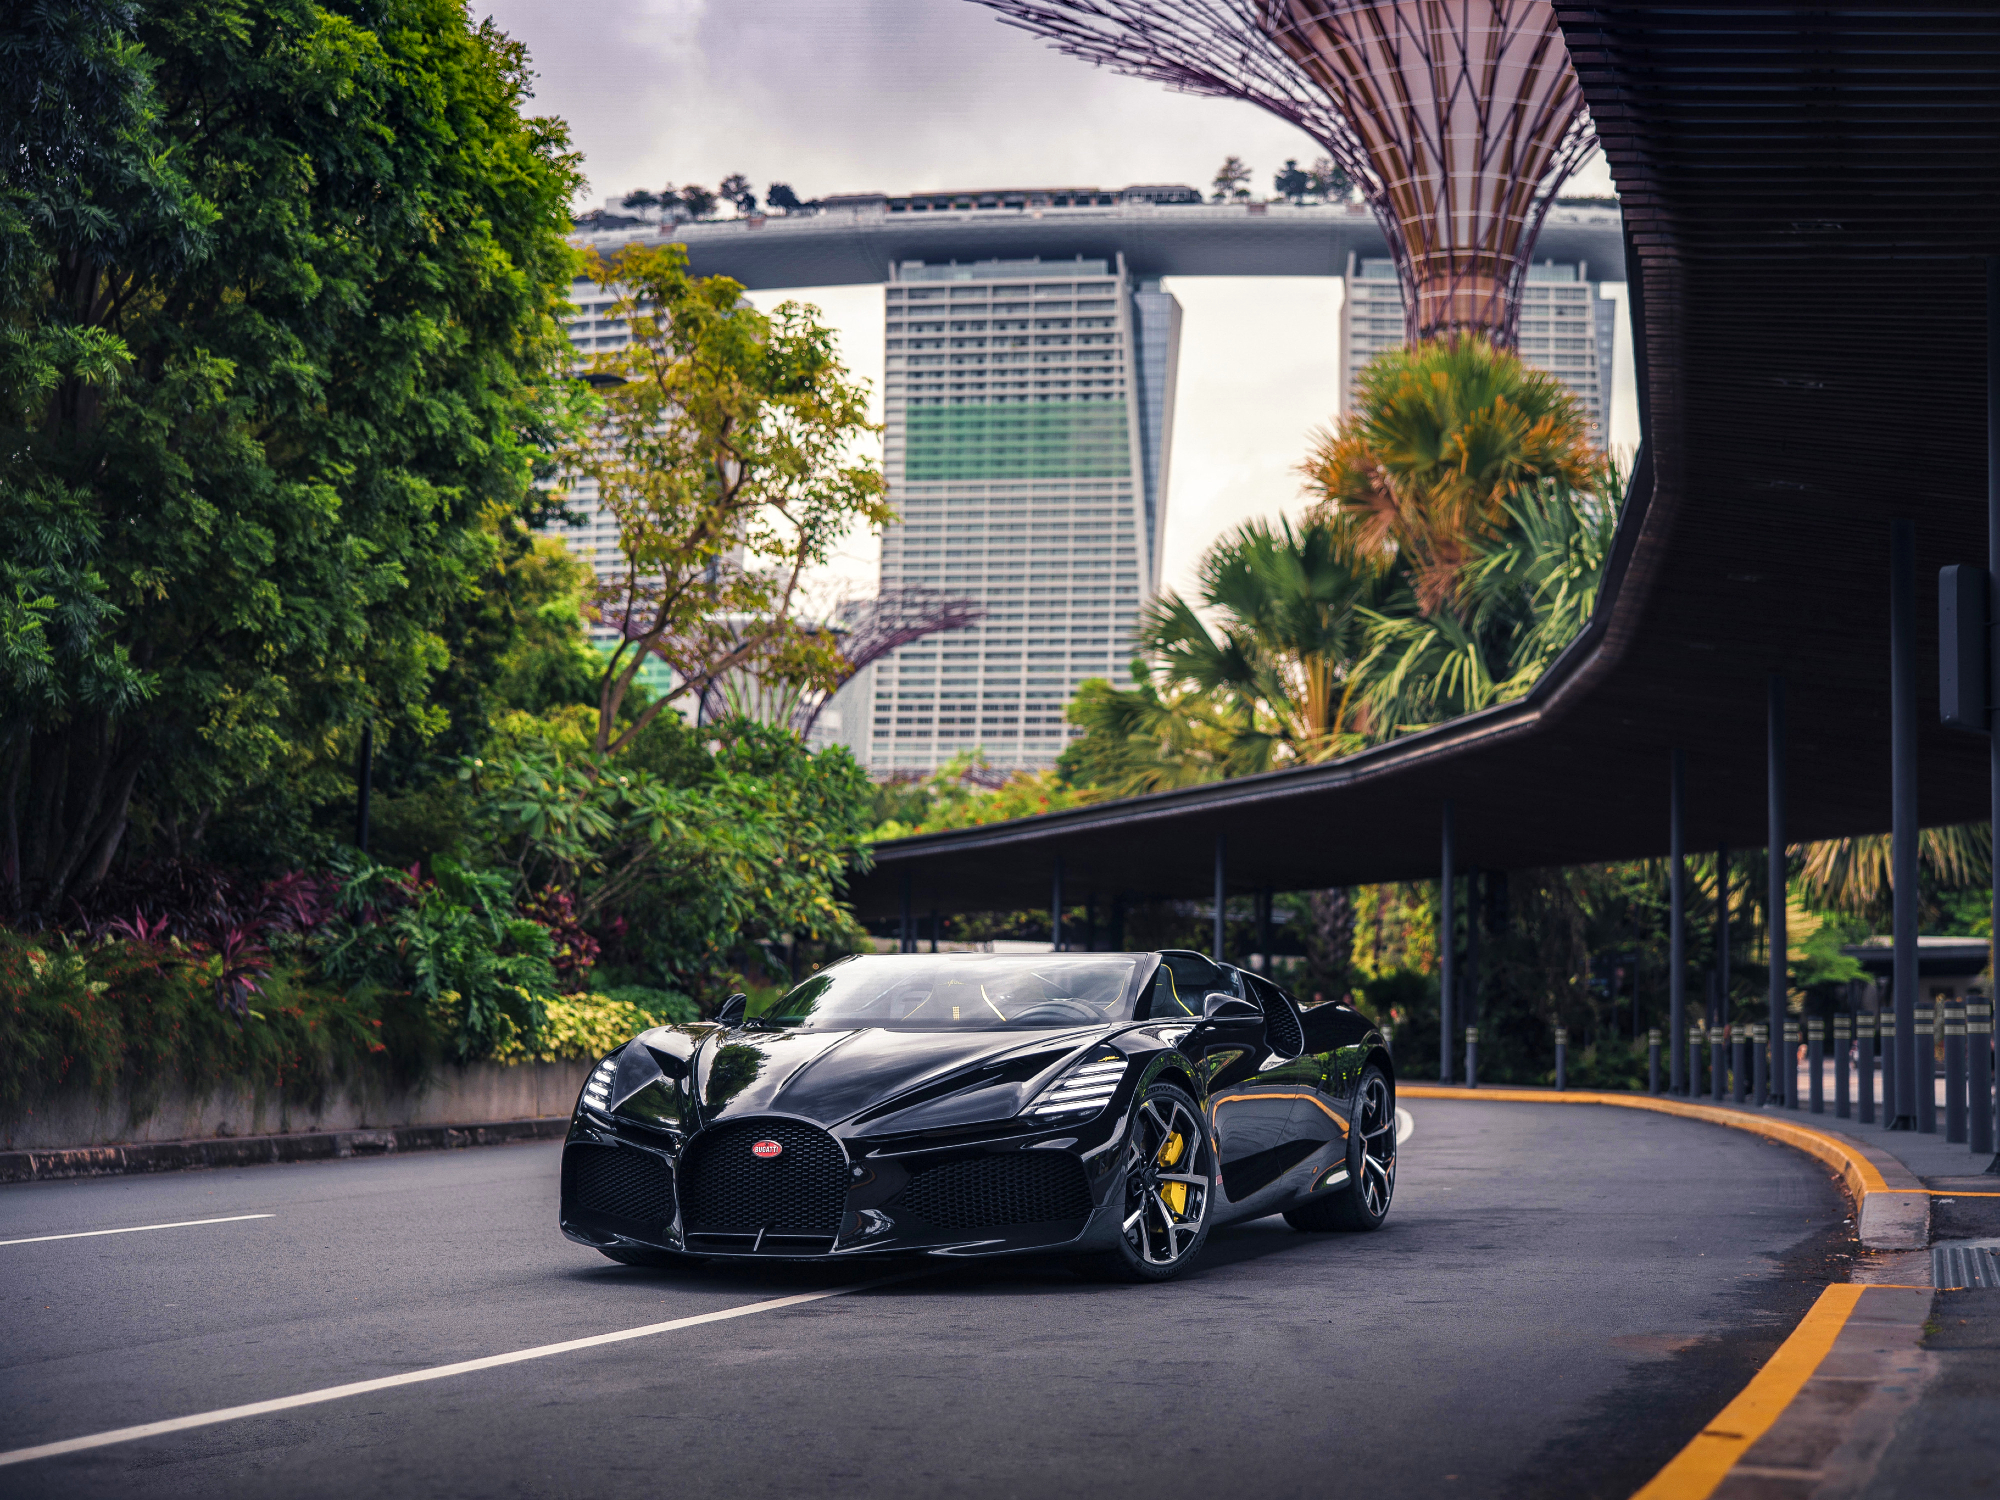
(277, 295)
(958, 795)
(144, 1015)
(453, 942)
(727, 457)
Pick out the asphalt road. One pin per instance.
(1562, 1296)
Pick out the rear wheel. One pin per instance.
(1371, 1165)
(1169, 1189)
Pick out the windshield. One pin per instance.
(977, 992)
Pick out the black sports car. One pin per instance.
(1108, 1106)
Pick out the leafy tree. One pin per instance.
(781, 197)
(959, 794)
(1521, 595)
(727, 458)
(278, 286)
(641, 201)
(1293, 183)
(1232, 180)
(1442, 436)
(736, 189)
(1150, 739)
(1329, 183)
(698, 202)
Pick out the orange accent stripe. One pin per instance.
(1313, 1099)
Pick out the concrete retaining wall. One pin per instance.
(479, 1093)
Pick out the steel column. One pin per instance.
(1056, 909)
(1447, 946)
(1903, 1113)
(1775, 885)
(1981, 1128)
(1221, 891)
(1677, 1070)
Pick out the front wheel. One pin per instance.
(1169, 1189)
(1371, 1165)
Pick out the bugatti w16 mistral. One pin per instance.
(1112, 1107)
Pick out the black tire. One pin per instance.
(1371, 1166)
(1161, 1240)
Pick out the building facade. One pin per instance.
(1567, 328)
(1028, 410)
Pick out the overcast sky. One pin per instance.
(836, 96)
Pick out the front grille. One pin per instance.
(728, 1189)
(983, 1192)
(632, 1185)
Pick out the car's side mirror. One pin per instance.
(730, 1012)
(1220, 1005)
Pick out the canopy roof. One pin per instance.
(1809, 193)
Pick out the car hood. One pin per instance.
(898, 1080)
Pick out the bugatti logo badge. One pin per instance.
(766, 1149)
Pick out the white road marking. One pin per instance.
(86, 1234)
(414, 1377)
(1406, 1125)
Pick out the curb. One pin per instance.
(258, 1150)
(1892, 1209)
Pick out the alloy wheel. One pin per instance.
(1169, 1173)
(1377, 1123)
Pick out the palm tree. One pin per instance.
(1855, 875)
(1443, 436)
(1522, 594)
(1291, 611)
(1144, 740)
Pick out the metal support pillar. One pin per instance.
(1775, 887)
(1864, 1062)
(1903, 1113)
(1843, 1046)
(1954, 1074)
(1447, 952)
(1221, 893)
(1677, 1072)
(1981, 1131)
(1979, 1074)
(1056, 908)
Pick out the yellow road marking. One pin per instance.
(1703, 1464)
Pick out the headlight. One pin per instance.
(1082, 1092)
(597, 1090)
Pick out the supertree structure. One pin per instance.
(1457, 119)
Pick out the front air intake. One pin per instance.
(991, 1192)
(621, 1183)
(732, 1183)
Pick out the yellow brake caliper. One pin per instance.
(1175, 1193)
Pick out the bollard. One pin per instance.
(1843, 1041)
(1885, 1049)
(1653, 1061)
(1472, 1057)
(1954, 1074)
(1865, 1026)
(1718, 1063)
(1760, 1083)
(1791, 1063)
(1562, 1057)
(1694, 1060)
(1739, 1061)
(1979, 1070)
(1816, 1065)
(1926, 1069)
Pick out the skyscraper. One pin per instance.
(1028, 409)
(1566, 329)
